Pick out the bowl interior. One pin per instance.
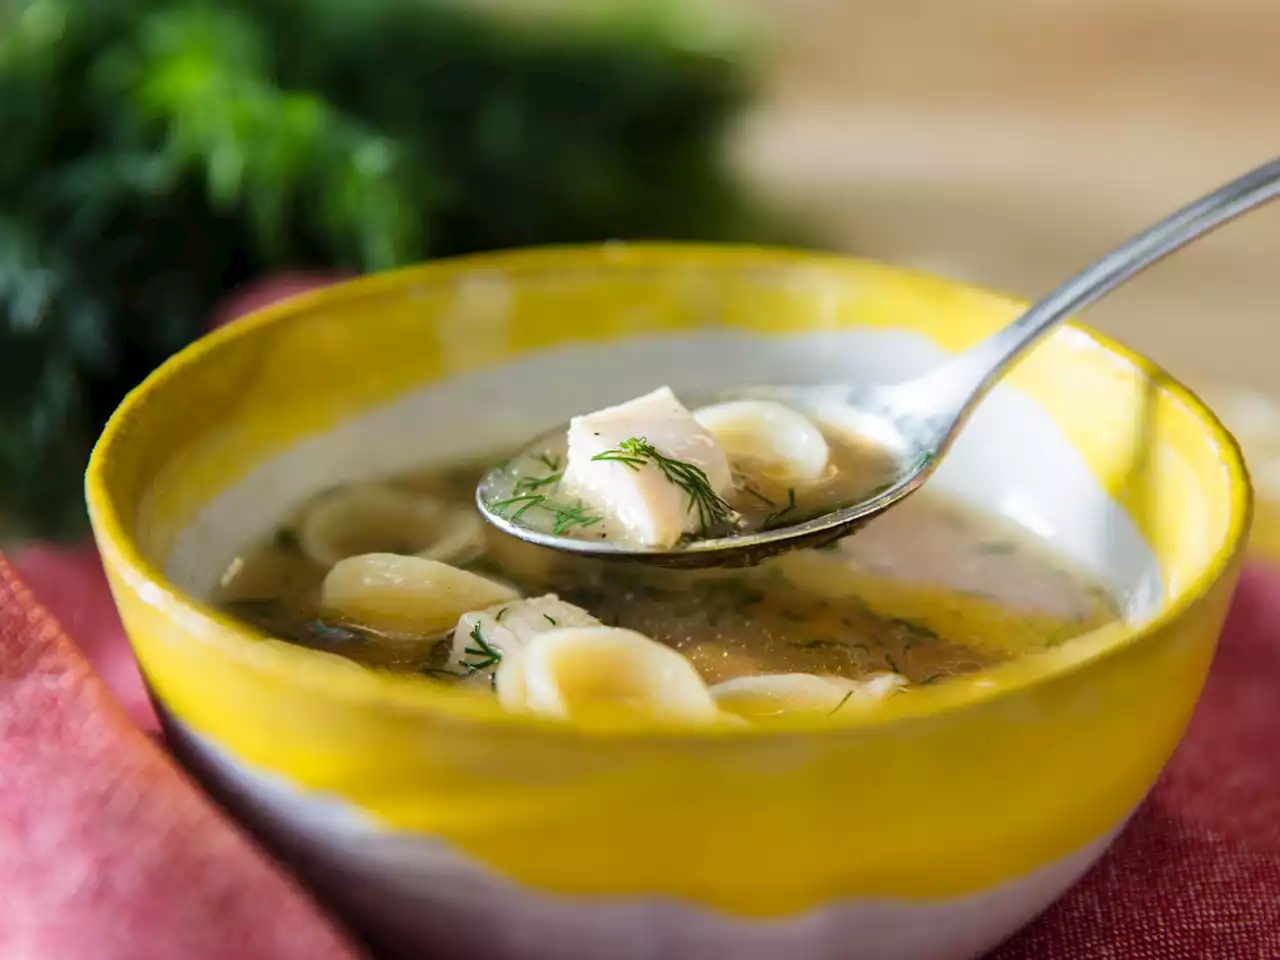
(1087, 446)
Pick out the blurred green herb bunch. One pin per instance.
(159, 152)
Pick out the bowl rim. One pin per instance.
(332, 677)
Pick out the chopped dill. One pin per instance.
(550, 619)
(777, 515)
(566, 517)
(843, 701)
(889, 662)
(530, 484)
(750, 490)
(497, 618)
(931, 678)
(710, 507)
(553, 463)
(490, 656)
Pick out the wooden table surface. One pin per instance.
(1011, 142)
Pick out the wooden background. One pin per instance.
(1011, 141)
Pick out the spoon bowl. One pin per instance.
(911, 424)
(900, 467)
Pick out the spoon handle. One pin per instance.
(955, 387)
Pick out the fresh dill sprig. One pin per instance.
(743, 482)
(531, 484)
(490, 656)
(710, 507)
(843, 701)
(777, 515)
(566, 517)
(533, 493)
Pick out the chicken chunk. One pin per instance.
(637, 497)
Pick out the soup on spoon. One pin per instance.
(905, 429)
(651, 475)
(399, 573)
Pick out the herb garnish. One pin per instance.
(566, 517)
(843, 701)
(531, 484)
(549, 460)
(777, 515)
(529, 495)
(550, 619)
(710, 507)
(889, 662)
(489, 655)
(749, 488)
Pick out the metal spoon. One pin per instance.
(915, 422)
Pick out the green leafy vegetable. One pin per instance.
(160, 152)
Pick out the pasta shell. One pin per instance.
(776, 694)
(368, 519)
(782, 443)
(508, 682)
(406, 596)
(459, 539)
(580, 672)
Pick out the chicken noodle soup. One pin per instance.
(401, 574)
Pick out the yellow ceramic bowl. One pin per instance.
(436, 822)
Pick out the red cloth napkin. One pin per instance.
(103, 842)
(109, 852)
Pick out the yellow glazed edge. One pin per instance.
(126, 562)
(199, 661)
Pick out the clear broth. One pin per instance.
(930, 590)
